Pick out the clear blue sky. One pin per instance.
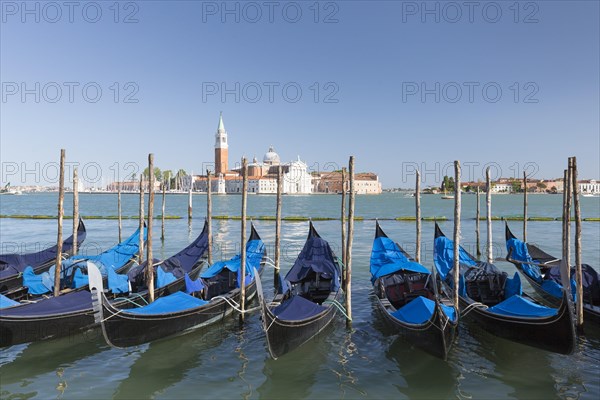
(373, 57)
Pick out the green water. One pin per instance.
(229, 361)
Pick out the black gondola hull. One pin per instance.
(123, 329)
(555, 333)
(434, 336)
(17, 330)
(284, 336)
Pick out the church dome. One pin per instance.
(271, 157)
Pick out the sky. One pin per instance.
(400, 85)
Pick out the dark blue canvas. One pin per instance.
(297, 308)
(317, 257)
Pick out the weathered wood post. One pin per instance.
(490, 254)
(348, 283)
(278, 228)
(61, 210)
(190, 199)
(243, 236)
(343, 218)
(456, 266)
(578, 271)
(75, 210)
(566, 239)
(119, 208)
(524, 206)
(163, 210)
(209, 213)
(149, 256)
(418, 215)
(477, 216)
(141, 226)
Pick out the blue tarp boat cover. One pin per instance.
(387, 258)
(420, 310)
(193, 286)
(174, 267)
(13, 264)
(175, 302)
(443, 255)
(297, 308)
(518, 252)
(518, 306)
(163, 278)
(37, 284)
(316, 257)
(5, 302)
(551, 282)
(254, 254)
(114, 258)
(117, 283)
(74, 301)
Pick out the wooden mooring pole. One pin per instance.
(149, 256)
(578, 271)
(61, 210)
(477, 216)
(209, 214)
(524, 206)
(348, 281)
(243, 237)
(163, 210)
(190, 198)
(488, 198)
(141, 226)
(566, 237)
(278, 205)
(119, 208)
(418, 216)
(75, 209)
(456, 238)
(343, 218)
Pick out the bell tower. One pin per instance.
(221, 149)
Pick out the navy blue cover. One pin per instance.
(317, 257)
(13, 264)
(74, 301)
(177, 265)
(297, 308)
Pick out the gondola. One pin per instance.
(13, 265)
(496, 303)
(112, 262)
(408, 298)
(542, 271)
(307, 300)
(69, 313)
(218, 291)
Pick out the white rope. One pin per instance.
(233, 304)
(471, 307)
(271, 324)
(113, 314)
(339, 307)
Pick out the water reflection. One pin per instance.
(166, 362)
(47, 361)
(293, 376)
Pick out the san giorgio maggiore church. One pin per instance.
(262, 177)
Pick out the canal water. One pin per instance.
(364, 361)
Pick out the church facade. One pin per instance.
(262, 176)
